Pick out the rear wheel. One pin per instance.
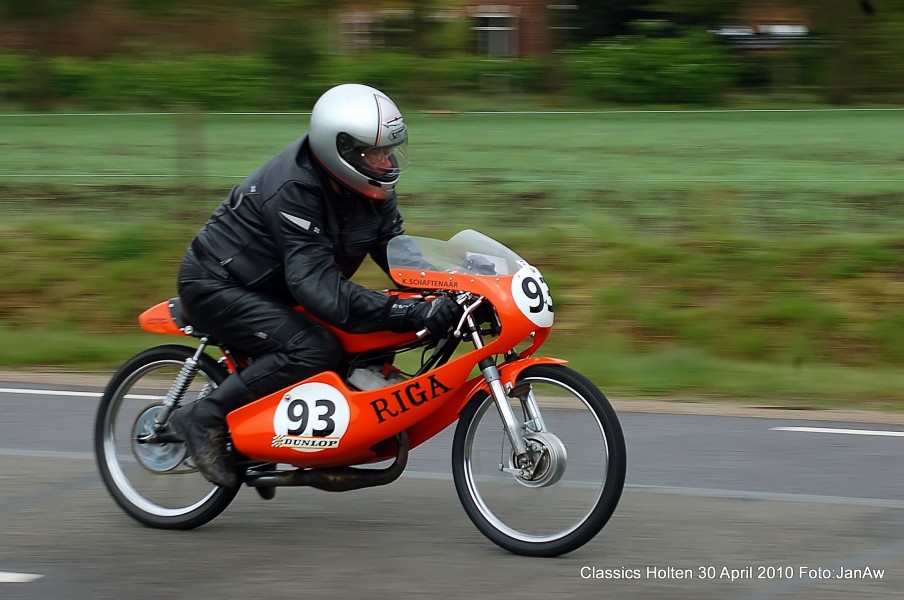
(570, 490)
(155, 483)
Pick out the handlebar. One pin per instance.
(460, 299)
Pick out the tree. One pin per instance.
(848, 26)
(607, 18)
(708, 13)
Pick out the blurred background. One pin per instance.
(713, 189)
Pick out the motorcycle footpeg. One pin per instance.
(267, 493)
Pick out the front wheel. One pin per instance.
(575, 479)
(155, 483)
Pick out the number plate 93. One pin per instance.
(532, 295)
(312, 417)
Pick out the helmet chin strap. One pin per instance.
(336, 185)
(376, 184)
(341, 188)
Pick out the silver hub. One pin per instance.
(548, 460)
(155, 457)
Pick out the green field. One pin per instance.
(692, 254)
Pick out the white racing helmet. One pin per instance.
(358, 135)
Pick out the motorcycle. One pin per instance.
(538, 454)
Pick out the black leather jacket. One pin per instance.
(285, 232)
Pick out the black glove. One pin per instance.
(437, 315)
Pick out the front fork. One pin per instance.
(513, 428)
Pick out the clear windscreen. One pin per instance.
(467, 252)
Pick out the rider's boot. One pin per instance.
(202, 424)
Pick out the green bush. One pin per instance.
(207, 81)
(70, 79)
(258, 82)
(415, 78)
(13, 78)
(630, 69)
(690, 69)
(883, 53)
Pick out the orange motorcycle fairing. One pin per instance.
(321, 422)
(516, 326)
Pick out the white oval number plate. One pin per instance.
(310, 418)
(532, 295)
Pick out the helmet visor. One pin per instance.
(381, 163)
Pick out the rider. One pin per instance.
(293, 233)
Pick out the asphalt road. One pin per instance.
(743, 504)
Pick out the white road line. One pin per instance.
(71, 393)
(766, 496)
(46, 454)
(18, 577)
(841, 431)
(49, 392)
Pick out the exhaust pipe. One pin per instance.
(335, 479)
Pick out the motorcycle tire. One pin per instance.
(156, 484)
(577, 475)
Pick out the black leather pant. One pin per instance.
(286, 346)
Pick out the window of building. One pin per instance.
(496, 27)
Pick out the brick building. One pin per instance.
(509, 28)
